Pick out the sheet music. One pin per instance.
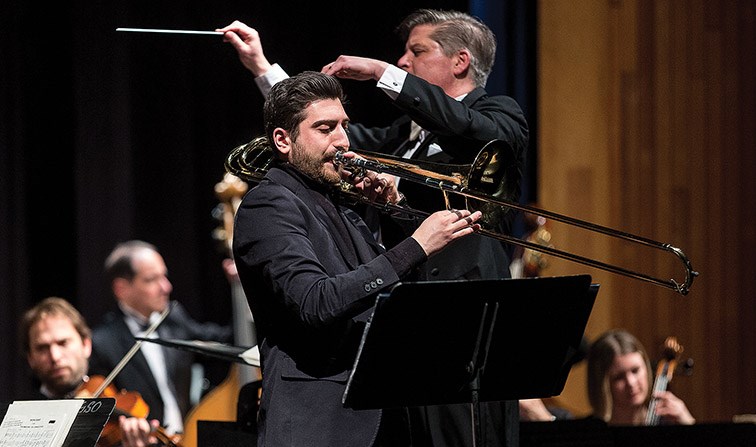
(38, 423)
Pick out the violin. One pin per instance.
(129, 404)
(664, 371)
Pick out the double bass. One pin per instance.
(220, 404)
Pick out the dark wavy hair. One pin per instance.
(286, 103)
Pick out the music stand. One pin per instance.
(230, 353)
(447, 342)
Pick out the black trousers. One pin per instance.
(394, 430)
(451, 425)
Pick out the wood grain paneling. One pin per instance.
(646, 110)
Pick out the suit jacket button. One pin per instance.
(379, 281)
(367, 287)
(434, 271)
(373, 285)
(416, 101)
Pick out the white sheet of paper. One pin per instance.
(38, 423)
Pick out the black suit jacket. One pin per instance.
(113, 339)
(460, 129)
(310, 289)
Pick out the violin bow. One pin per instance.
(133, 350)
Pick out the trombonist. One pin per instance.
(315, 270)
(439, 84)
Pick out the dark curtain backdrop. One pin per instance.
(108, 136)
(514, 74)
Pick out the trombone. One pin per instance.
(490, 180)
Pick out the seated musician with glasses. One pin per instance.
(139, 283)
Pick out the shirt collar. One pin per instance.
(136, 321)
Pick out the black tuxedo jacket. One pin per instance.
(460, 129)
(113, 339)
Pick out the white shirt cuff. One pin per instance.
(392, 81)
(270, 78)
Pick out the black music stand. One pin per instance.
(249, 356)
(449, 342)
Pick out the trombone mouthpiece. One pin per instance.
(354, 165)
(338, 158)
(356, 162)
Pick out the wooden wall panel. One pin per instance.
(646, 110)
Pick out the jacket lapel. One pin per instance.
(307, 195)
(138, 362)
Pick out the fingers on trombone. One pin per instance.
(469, 219)
(469, 222)
(357, 176)
(462, 218)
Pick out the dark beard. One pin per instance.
(312, 167)
(64, 390)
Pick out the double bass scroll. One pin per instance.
(220, 404)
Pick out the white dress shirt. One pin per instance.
(172, 421)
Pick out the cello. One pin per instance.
(220, 404)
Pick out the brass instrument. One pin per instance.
(488, 185)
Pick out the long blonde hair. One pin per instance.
(601, 355)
